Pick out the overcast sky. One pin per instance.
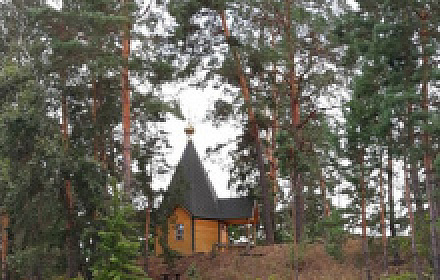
(195, 104)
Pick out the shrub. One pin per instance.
(192, 272)
(336, 236)
(300, 253)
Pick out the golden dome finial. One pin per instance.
(189, 130)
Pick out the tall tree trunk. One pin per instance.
(4, 248)
(272, 170)
(72, 265)
(432, 198)
(394, 250)
(382, 216)
(275, 100)
(295, 237)
(272, 137)
(411, 222)
(98, 138)
(295, 111)
(94, 116)
(267, 205)
(364, 218)
(325, 204)
(414, 173)
(126, 118)
(40, 263)
(413, 158)
(147, 233)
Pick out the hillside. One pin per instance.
(273, 262)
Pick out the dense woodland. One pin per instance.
(334, 99)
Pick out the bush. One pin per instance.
(335, 236)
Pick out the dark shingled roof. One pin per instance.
(199, 196)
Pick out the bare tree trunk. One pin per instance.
(411, 222)
(295, 111)
(275, 100)
(382, 217)
(4, 238)
(413, 159)
(267, 217)
(126, 118)
(414, 173)
(394, 250)
(272, 171)
(147, 234)
(72, 265)
(364, 218)
(294, 231)
(94, 116)
(325, 204)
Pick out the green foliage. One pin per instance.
(118, 247)
(297, 255)
(404, 276)
(192, 273)
(335, 234)
(30, 166)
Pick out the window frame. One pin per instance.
(180, 230)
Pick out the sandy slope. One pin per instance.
(273, 262)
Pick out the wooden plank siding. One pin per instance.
(199, 234)
(180, 216)
(206, 234)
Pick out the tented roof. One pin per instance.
(197, 195)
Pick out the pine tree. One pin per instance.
(118, 249)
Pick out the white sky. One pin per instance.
(195, 104)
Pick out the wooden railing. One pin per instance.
(216, 247)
